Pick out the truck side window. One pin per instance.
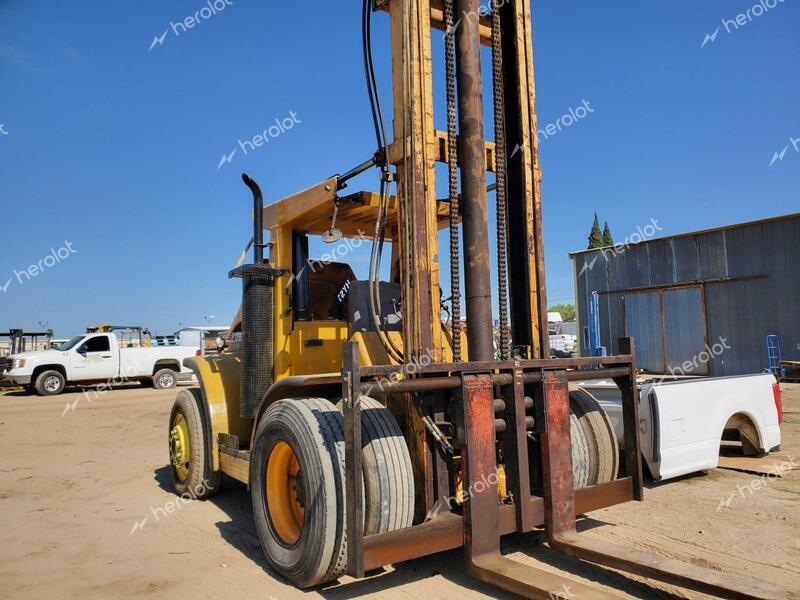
(97, 344)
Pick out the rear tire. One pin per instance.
(599, 435)
(190, 448)
(165, 379)
(49, 383)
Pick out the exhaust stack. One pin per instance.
(258, 281)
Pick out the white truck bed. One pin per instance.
(681, 423)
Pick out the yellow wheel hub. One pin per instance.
(179, 446)
(284, 493)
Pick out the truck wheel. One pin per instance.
(297, 489)
(190, 448)
(49, 383)
(386, 464)
(601, 439)
(165, 379)
(581, 456)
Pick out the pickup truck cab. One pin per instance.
(96, 358)
(683, 422)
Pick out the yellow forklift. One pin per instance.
(368, 429)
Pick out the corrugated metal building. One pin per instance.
(700, 303)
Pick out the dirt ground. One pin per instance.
(74, 483)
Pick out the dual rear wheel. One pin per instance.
(298, 485)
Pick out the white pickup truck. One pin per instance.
(96, 358)
(682, 423)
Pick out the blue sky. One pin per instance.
(114, 146)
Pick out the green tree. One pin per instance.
(567, 311)
(596, 236)
(608, 239)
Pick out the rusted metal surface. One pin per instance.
(431, 384)
(354, 496)
(559, 493)
(516, 456)
(630, 417)
(481, 519)
(475, 221)
(446, 530)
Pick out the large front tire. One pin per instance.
(297, 489)
(297, 484)
(190, 448)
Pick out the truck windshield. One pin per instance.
(72, 343)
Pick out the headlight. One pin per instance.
(18, 363)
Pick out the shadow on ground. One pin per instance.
(240, 532)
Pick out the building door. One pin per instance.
(685, 332)
(643, 324)
(669, 328)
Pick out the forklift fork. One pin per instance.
(481, 515)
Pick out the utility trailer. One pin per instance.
(367, 432)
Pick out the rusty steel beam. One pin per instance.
(431, 384)
(475, 220)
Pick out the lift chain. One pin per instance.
(500, 172)
(452, 168)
